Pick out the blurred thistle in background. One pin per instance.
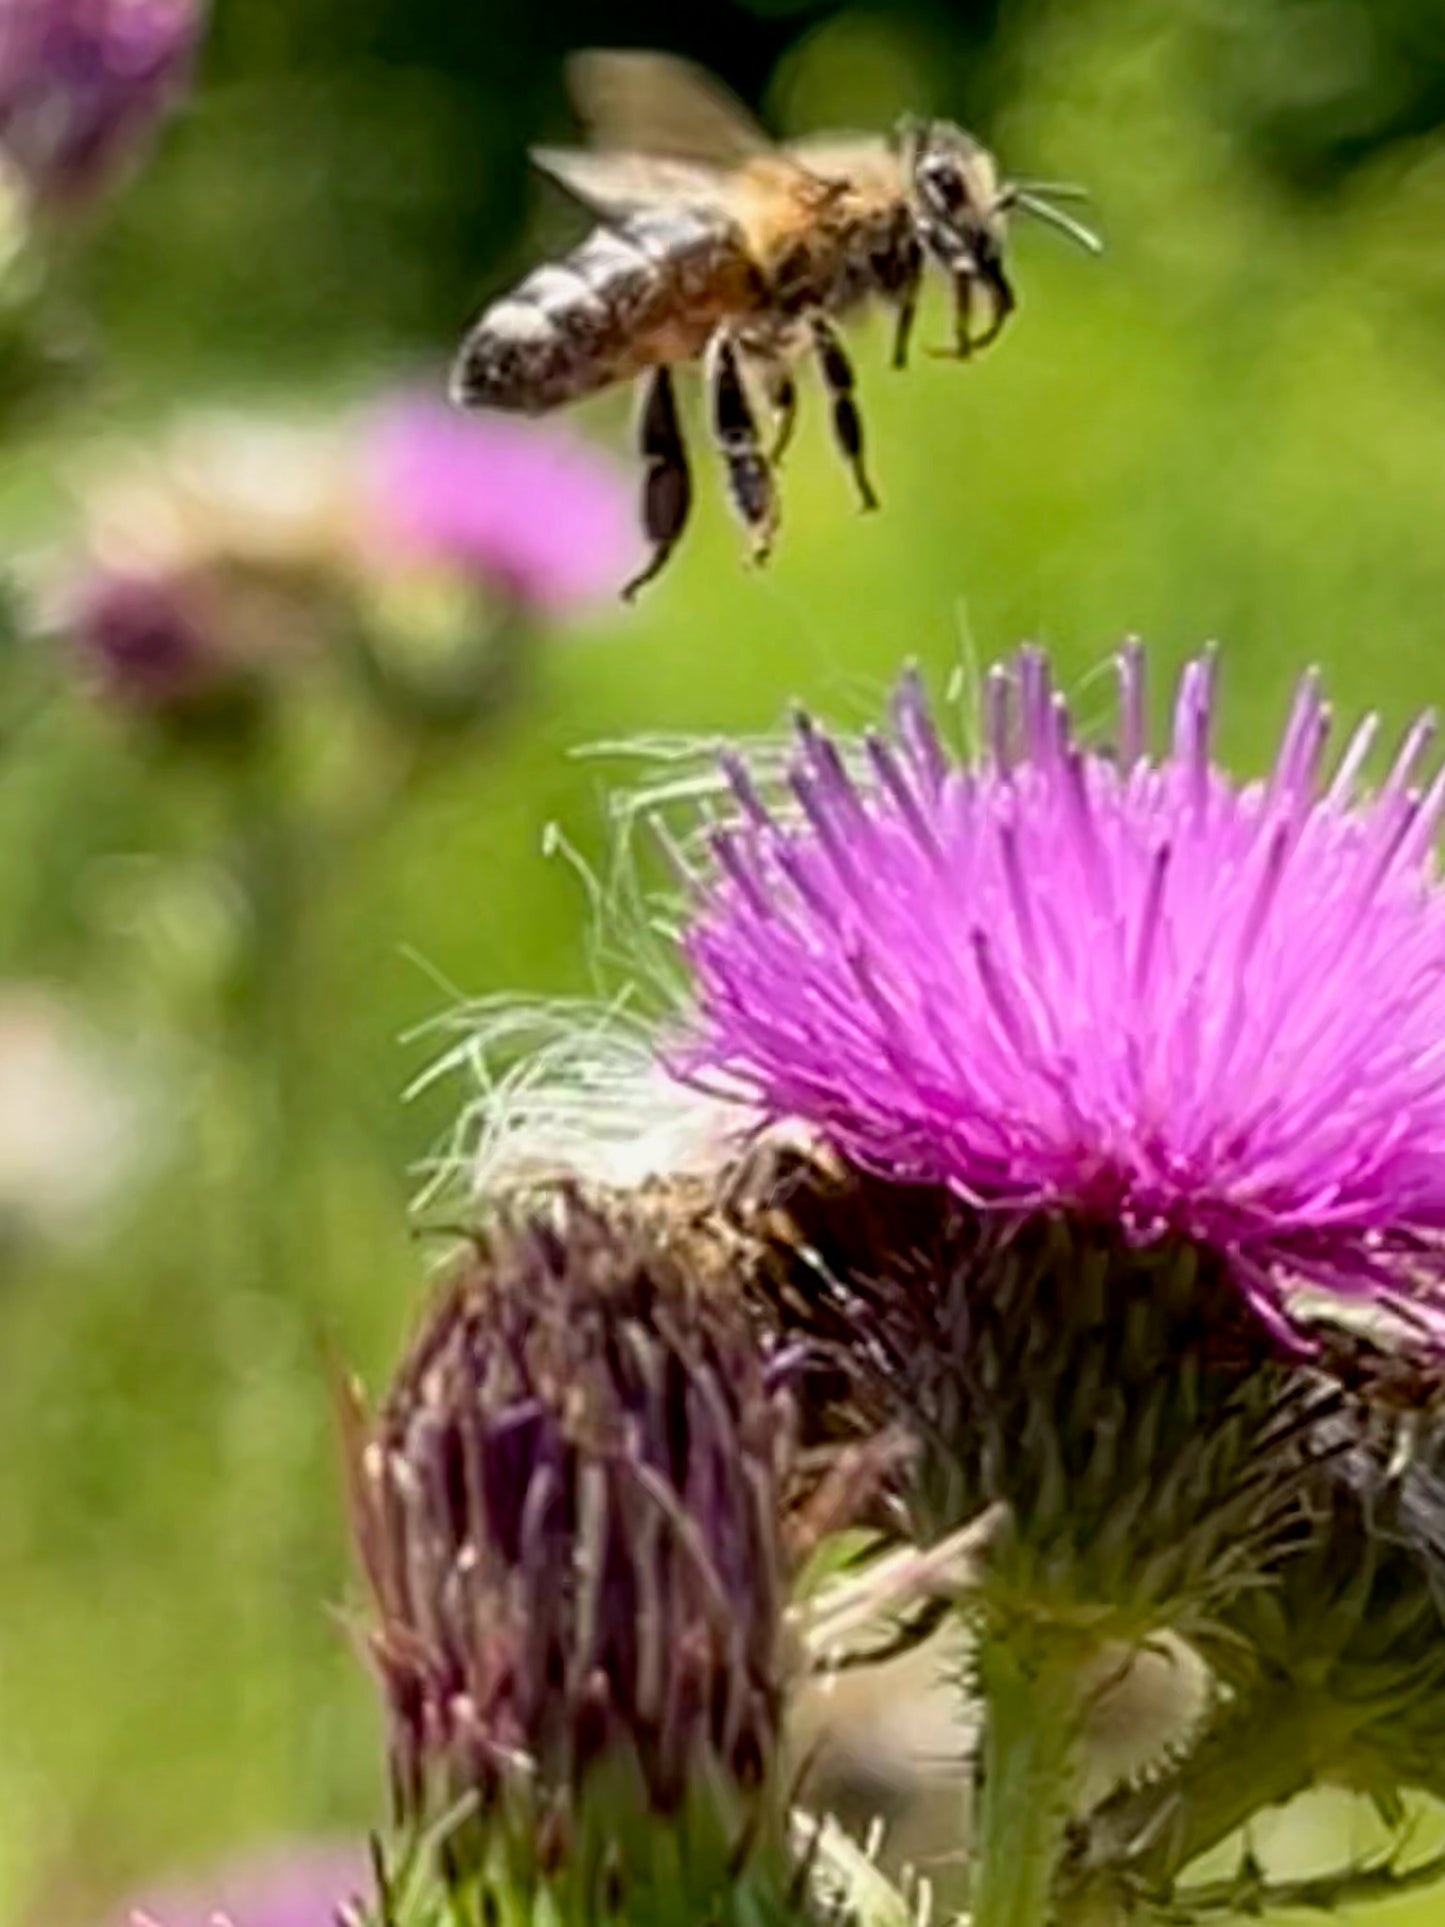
(84, 87)
(418, 551)
(535, 513)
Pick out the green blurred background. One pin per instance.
(1232, 427)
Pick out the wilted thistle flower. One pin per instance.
(74, 1116)
(568, 1511)
(83, 86)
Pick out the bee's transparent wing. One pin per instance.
(615, 185)
(652, 103)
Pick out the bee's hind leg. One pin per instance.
(749, 474)
(847, 423)
(782, 393)
(666, 481)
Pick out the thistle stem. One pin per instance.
(1030, 1772)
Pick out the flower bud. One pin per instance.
(568, 1512)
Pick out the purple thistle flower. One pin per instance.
(84, 83)
(1123, 986)
(529, 509)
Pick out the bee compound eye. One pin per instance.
(945, 186)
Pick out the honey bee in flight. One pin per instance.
(717, 244)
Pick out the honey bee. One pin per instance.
(717, 244)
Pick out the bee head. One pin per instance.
(954, 191)
(960, 206)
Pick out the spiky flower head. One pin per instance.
(568, 1510)
(1120, 985)
(85, 83)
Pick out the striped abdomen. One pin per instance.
(646, 291)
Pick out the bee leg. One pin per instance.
(847, 424)
(1002, 297)
(749, 478)
(666, 483)
(783, 396)
(963, 316)
(907, 291)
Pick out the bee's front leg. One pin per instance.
(1001, 296)
(963, 342)
(666, 482)
(964, 339)
(749, 476)
(909, 283)
(837, 373)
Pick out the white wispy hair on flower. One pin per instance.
(579, 1087)
(569, 1088)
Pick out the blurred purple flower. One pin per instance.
(1125, 986)
(145, 640)
(298, 1885)
(532, 510)
(83, 85)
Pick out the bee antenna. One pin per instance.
(1028, 202)
(1056, 190)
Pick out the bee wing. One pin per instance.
(651, 103)
(615, 185)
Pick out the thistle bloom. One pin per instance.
(529, 509)
(83, 85)
(1118, 985)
